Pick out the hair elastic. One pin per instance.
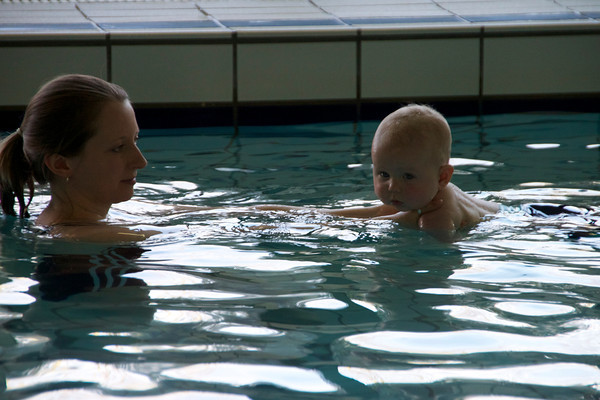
(19, 132)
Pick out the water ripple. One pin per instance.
(581, 339)
(292, 378)
(551, 374)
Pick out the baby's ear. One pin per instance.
(446, 172)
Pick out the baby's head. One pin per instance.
(411, 154)
(417, 126)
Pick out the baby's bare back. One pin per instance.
(459, 210)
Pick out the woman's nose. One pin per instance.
(139, 159)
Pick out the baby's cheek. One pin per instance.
(420, 192)
(380, 192)
(413, 193)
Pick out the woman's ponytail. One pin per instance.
(15, 174)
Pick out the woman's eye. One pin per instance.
(118, 149)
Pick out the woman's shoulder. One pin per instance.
(98, 233)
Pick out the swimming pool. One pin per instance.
(237, 305)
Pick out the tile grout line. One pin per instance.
(335, 16)
(358, 74)
(108, 57)
(481, 69)
(235, 84)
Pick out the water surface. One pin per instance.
(225, 304)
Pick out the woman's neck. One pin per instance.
(57, 213)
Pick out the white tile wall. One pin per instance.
(422, 67)
(25, 69)
(39, 13)
(307, 63)
(175, 73)
(366, 10)
(103, 12)
(470, 7)
(297, 71)
(541, 65)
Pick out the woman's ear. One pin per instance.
(59, 165)
(446, 172)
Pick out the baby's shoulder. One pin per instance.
(444, 218)
(460, 210)
(468, 203)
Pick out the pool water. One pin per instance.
(231, 304)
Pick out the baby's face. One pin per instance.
(404, 176)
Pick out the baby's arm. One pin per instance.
(353, 212)
(407, 219)
(279, 207)
(150, 208)
(362, 212)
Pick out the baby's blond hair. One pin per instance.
(420, 125)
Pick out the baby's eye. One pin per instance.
(409, 176)
(383, 174)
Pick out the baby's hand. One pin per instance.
(410, 219)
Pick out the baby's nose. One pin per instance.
(395, 185)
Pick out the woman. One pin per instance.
(79, 134)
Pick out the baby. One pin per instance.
(411, 176)
(411, 155)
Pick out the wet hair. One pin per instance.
(417, 124)
(60, 118)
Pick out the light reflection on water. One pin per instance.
(555, 375)
(577, 340)
(224, 304)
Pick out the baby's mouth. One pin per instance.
(397, 203)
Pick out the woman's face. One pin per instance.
(105, 171)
